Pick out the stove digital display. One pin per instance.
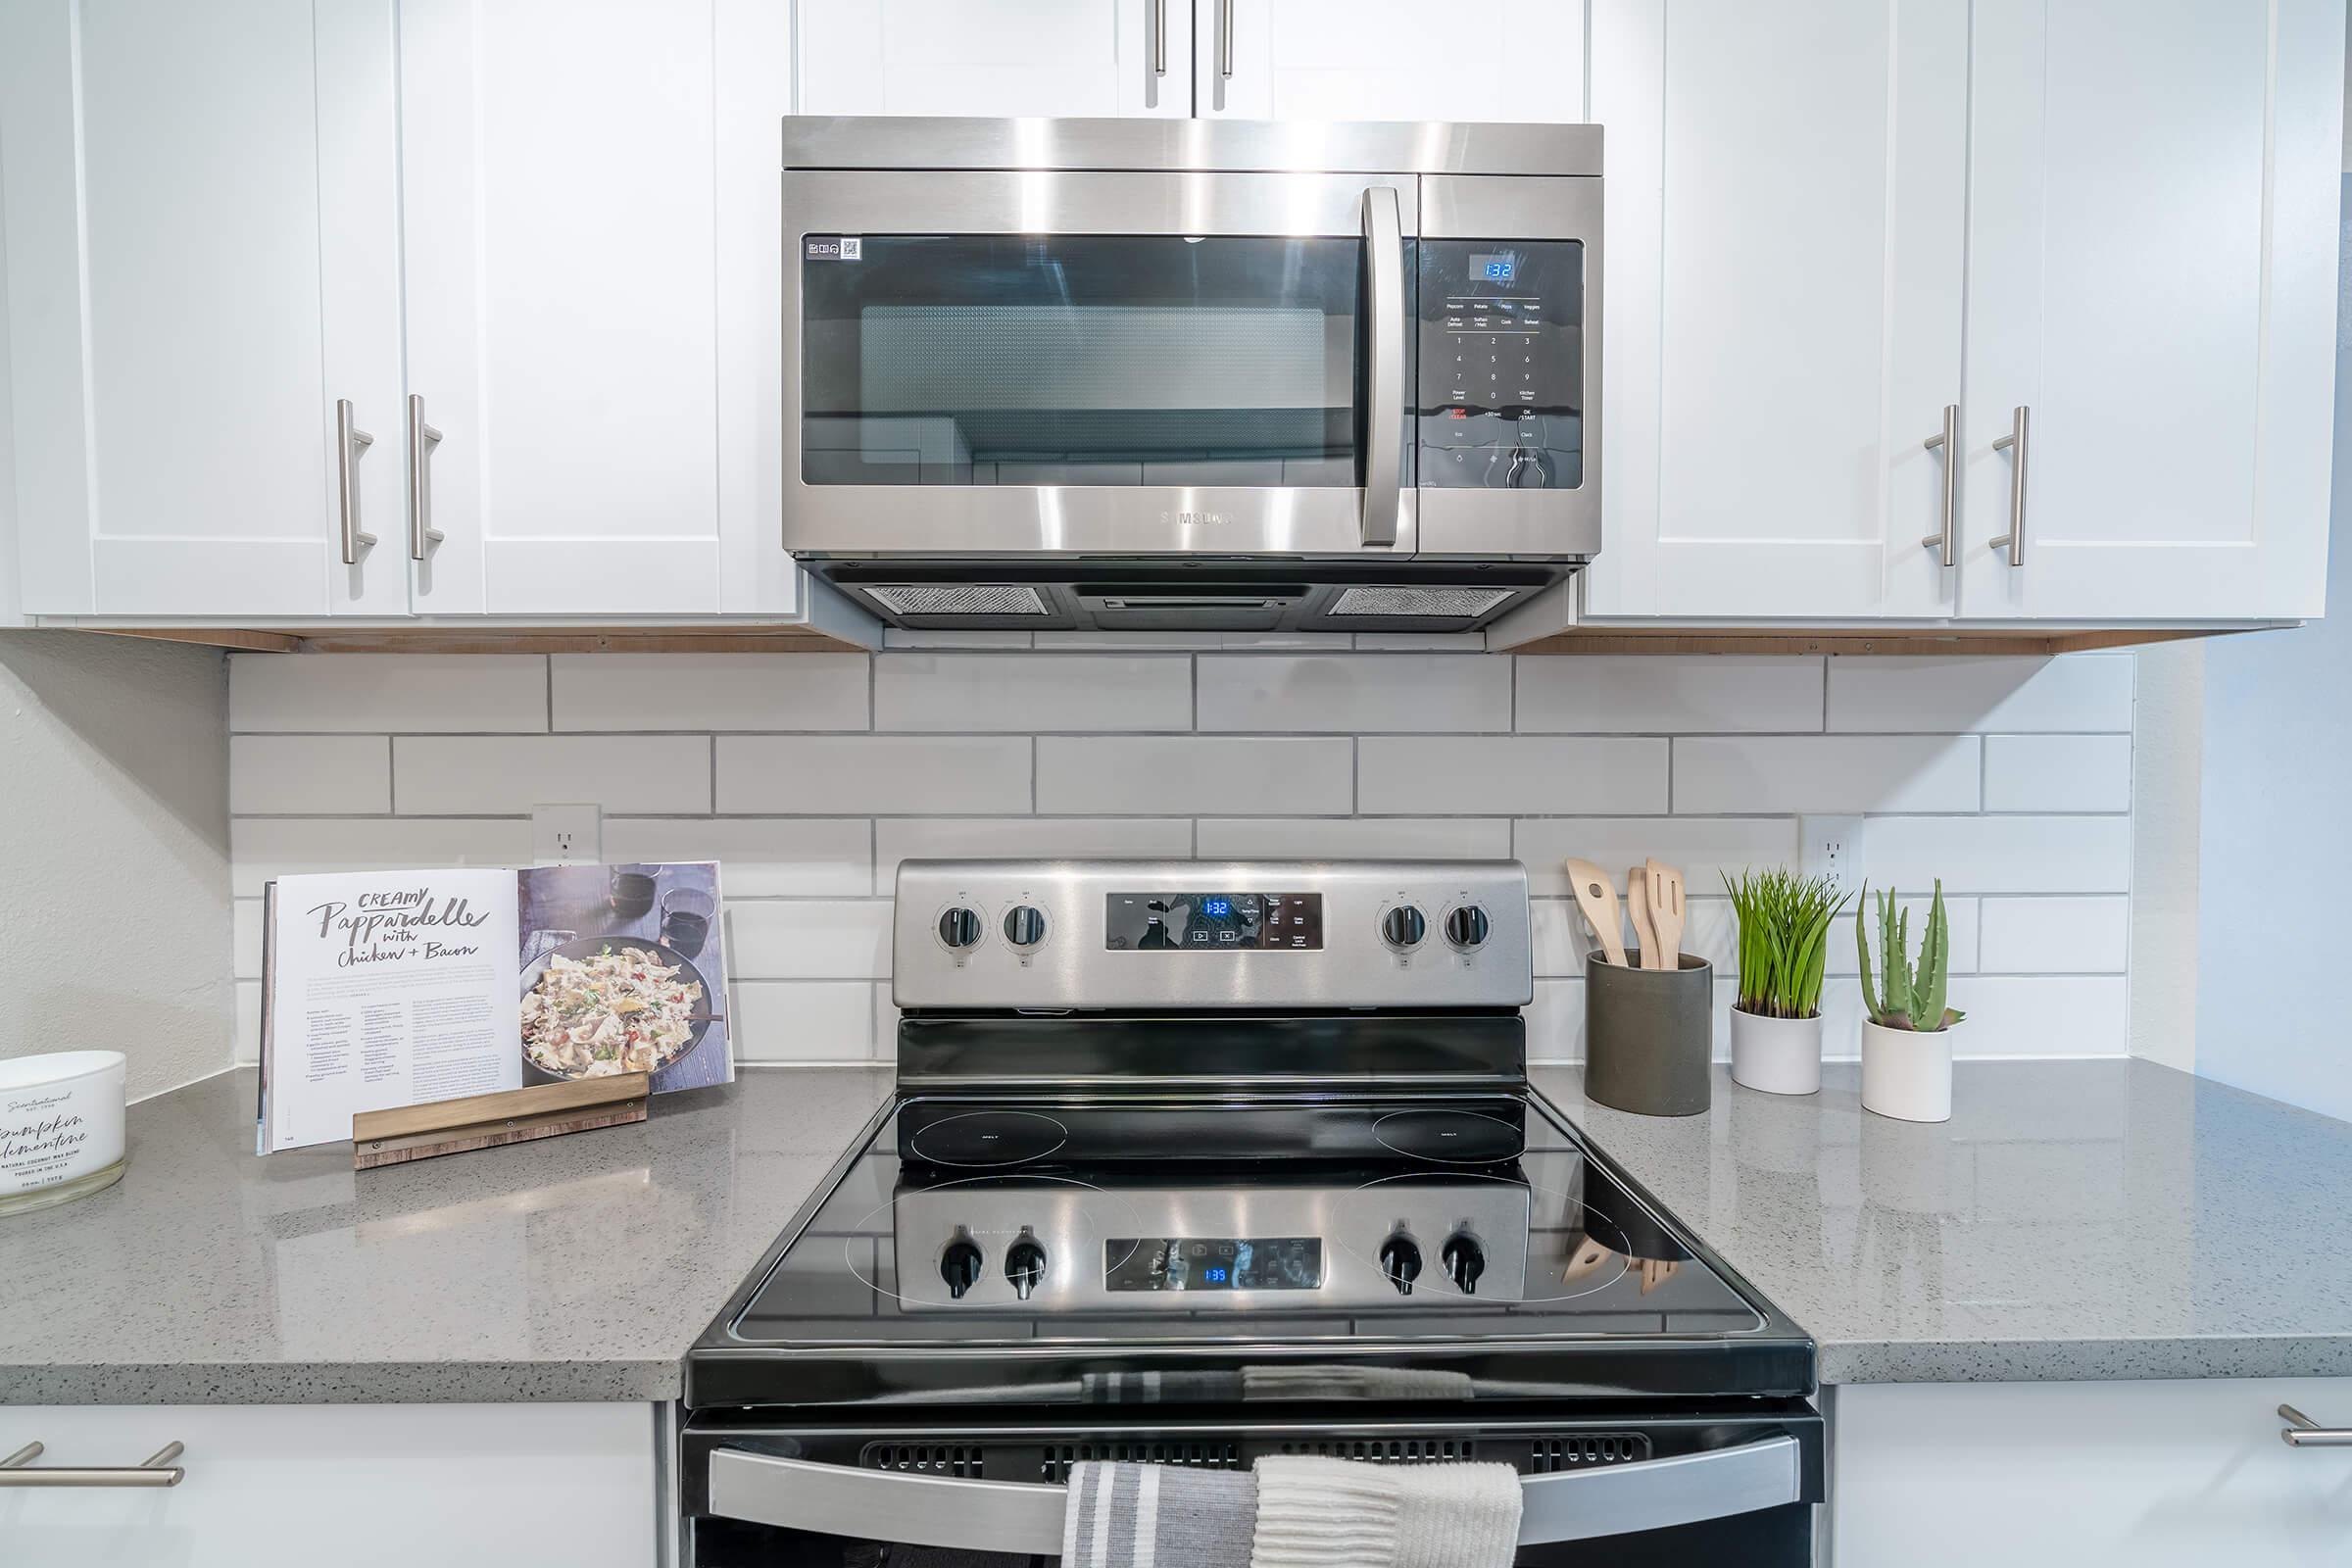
(1213, 1263)
(1211, 922)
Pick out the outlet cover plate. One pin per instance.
(567, 834)
(1831, 847)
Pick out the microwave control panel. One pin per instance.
(1500, 402)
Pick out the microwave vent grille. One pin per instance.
(1442, 604)
(958, 599)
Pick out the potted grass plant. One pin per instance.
(1783, 952)
(1906, 1028)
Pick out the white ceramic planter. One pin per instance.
(1779, 1055)
(1907, 1074)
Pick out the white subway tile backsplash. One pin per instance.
(1158, 775)
(1954, 695)
(808, 939)
(245, 939)
(382, 693)
(2000, 854)
(1013, 692)
(709, 690)
(1562, 937)
(881, 775)
(261, 848)
(1826, 774)
(2057, 934)
(1394, 838)
(1657, 694)
(803, 1020)
(902, 637)
(1509, 775)
(1556, 1021)
(2043, 1016)
(246, 1049)
(476, 775)
(2058, 772)
(760, 856)
(1350, 693)
(1705, 849)
(1959, 914)
(273, 775)
(912, 838)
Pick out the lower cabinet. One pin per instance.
(2157, 1475)
(294, 1485)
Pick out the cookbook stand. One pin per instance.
(486, 1121)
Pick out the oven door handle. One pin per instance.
(1020, 1517)
(1384, 407)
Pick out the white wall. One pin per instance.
(810, 775)
(113, 792)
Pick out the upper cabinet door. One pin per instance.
(1388, 60)
(563, 308)
(998, 57)
(2152, 276)
(1786, 206)
(201, 224)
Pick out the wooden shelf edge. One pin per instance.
(1984, 640)
(501, 640)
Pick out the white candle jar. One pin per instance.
(61, 1127)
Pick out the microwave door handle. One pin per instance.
(1020, 1518)
(1383, 410)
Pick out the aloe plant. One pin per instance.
(1906, 994)
(1784, 940)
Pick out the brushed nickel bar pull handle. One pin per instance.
(2302, 1432)
(422, 532)
(1159, 37)
(1947, 439)
(156, 1470)
(1384, 411)
(2021, 425)
(349, 441)
(1225, 39)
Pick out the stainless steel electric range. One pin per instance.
(1192, 1162)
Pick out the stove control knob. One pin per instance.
(1465, 1260)
(1024, 925)
(1025, 1265)
(1401, 1260)
(1467, 926)
(1403, 926)
(959, 1266)
(960, 927)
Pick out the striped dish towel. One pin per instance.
(1158, 1516)
(1314, 1512)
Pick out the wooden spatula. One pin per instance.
(1596, 896)
(1637, 909)
(1665, 914)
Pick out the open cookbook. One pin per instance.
(382, 989)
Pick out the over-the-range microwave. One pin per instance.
(1226, 376)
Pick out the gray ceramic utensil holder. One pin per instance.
(1648, 1035)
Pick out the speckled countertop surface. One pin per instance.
(2073, 1221)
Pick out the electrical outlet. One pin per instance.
(567, 835)
(1831, 847)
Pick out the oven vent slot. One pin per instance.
(1389, 1451)
(1584, 1451)
(956, 598)
(925, 1458)
(1192, 1455)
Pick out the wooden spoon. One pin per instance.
(1596, 896)
(1666, 912)
(1637, 909)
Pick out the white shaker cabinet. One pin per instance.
(2152, 277)
(201, 218)
(1068, 57)
(285, 1486)
(1786, 198)
(1388, 60)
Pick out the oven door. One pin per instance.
(1090, 363)
(1635, 1491)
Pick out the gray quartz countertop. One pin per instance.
(2073, 1221)
(2085, 1219)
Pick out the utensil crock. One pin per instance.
(1648, 1035)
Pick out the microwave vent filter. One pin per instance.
(1448, 604)
(958, 599)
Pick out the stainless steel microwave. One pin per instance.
(1217, 375)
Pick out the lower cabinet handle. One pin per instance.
(349, 440)
(2021, 425)
(2302, 1432)
(1946, 438)
(156, 1470)
(422, 532)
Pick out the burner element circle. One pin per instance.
(989, 1138)
(1449, 1137)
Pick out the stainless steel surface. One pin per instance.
(1018, 1517)
(422, 532)
(923, 201)
(1280, 146)
(1947, 440)
(349, 440)
(1383, 399)
(2015, 443)
(2302, 1432)
(1072, 968)
(1160, 38)
(1225, 39)
(156, 1470)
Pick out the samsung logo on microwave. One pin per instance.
(833, 248)
(1192, 520)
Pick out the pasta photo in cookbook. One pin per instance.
(382, 989)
